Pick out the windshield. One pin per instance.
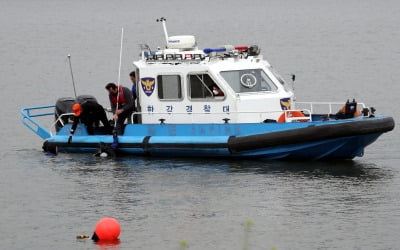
(249, 80)
(288, 87)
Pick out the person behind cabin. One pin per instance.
(217, 91)
(132, 75)
(122, 104)
(89, 113)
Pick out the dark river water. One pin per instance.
(337, 49)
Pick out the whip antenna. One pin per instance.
(120, 56)
(119, 72)
(120, 63)
(72, 75)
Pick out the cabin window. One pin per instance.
(249, 80)
(200, 85)
(169, 87)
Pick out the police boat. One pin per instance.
(253, 113)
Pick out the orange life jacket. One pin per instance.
(118, 99)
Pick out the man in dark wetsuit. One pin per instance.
(89, 113)
(122, 104)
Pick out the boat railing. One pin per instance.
(60, 120)
(28, 119)
(328, 108)
(28, 115)
(262, 117)
(290, 115)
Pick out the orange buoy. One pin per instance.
(107, 229)
(282, 117)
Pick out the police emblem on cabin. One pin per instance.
(148, 85)
(285, 103)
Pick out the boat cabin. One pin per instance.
(183, 84)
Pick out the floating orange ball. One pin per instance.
(107, 229)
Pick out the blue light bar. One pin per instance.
(209, 50)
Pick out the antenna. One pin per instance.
(72, 75)
(115, 143)
(119, 69)
(120, 56)
(163, 21)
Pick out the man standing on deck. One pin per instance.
(122, 104)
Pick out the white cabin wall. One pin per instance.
(185, 110)
(238, 108)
